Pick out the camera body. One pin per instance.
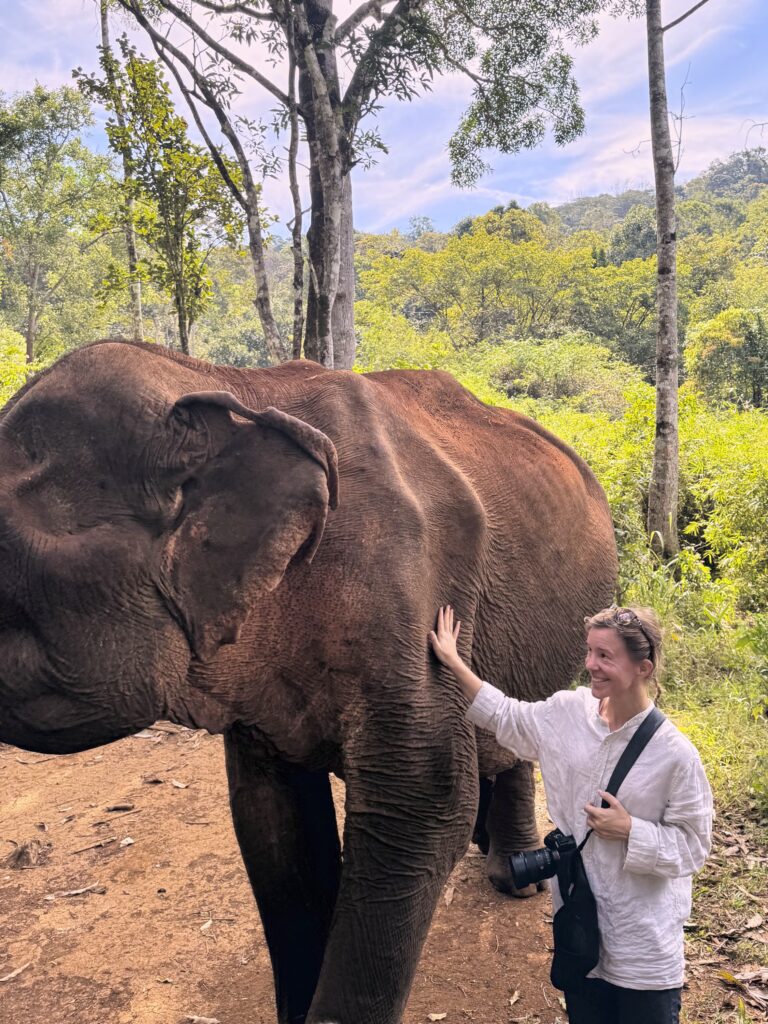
(533, 866)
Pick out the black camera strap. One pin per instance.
(633, 750)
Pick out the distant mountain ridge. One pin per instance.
(739, 177)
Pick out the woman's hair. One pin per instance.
(640, 630)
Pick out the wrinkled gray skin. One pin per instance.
(170, 548)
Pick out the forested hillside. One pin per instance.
(549, 310)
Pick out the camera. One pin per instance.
(535, 865)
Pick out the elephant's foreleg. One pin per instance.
(286, 827)
(410, 802)
(511, 825)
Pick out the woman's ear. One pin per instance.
(248, 510)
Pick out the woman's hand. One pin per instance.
(610, 822)
(443, 638)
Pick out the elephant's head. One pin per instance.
(140, 519)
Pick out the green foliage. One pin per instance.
(482, 285)
(618, 305)
(184, 208)
(601, 213)
(55, 196)
(571, 370)
(727, 357)
(742, 176)
(14, 368)
(635, 237)
(229, 329)
(524, 82)
(388, 341)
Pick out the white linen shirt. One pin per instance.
(642, 886)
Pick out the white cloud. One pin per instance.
(616, 61)
(44, 40)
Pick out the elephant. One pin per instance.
(261, 553)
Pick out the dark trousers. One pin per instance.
(597, 1002)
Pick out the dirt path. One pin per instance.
(176, 932)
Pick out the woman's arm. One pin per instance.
(678, 844)
(514, 722)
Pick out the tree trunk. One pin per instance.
(30, 328)
(248, 197)
(320, 99)
(181, 317)
(663, 492)
(263, 302)
(343, 316)
(134, 285)
(297, 243)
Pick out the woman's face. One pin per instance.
(611, 669)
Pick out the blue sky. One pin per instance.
(721, 48)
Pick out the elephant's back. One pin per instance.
(454, 417)
(549, 555)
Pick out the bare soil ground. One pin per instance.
(166, 926)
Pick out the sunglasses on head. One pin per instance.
(626, 617)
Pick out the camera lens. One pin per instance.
(533, 866)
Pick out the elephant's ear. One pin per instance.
(255, 497)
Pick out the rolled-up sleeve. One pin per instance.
(516, 723)
(679, 843)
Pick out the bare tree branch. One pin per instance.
(213, 149)
(217, 47)
(455, 63)
(361, 83)
(234, 8)
(263, 303)
(687, 14)
(346, 28)
(678, 120)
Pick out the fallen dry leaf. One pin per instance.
(450, 891)
(514, 998)
(179, 785)
(744, 982)
(192, 1019)
(437, 1016)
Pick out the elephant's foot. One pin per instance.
(500, 877)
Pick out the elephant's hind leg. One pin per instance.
(511, 825)
(286, 827)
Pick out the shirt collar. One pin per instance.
(631, 724)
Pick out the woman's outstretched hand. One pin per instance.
(443, 637)
(443, 640)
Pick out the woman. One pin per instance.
(645, 846)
